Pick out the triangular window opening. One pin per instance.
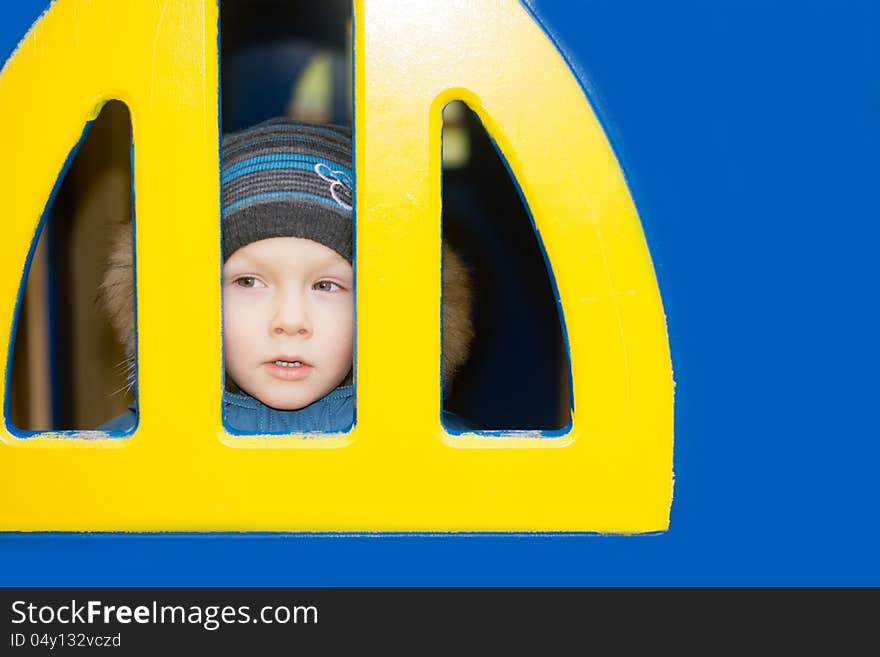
(516, 373)
(68, 369)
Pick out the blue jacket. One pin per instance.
(242, 413)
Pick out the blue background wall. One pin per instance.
(748, 132)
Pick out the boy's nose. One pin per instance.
(291, 318)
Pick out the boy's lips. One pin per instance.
(288, 368)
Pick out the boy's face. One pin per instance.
(288, 320)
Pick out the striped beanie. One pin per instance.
(285, 178)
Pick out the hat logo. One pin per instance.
(340, 183)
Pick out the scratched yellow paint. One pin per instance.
(397, 469)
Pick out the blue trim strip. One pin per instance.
(268, 195)
(229, 176)
(253, 163)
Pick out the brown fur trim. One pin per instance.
(116, 295)
(458, 327)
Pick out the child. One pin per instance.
(288, 297)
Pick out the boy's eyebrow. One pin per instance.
(243, 261)
(336, 272)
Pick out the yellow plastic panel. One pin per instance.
(397, 469)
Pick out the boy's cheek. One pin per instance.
(235, 344)
(346, 351)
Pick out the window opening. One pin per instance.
(68, 371)
(285, 62)
(516, 374)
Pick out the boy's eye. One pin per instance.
(326, 286)
(248, 281)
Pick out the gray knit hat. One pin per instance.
(284, 178)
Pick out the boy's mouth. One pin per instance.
(290, 368)
(287, 363)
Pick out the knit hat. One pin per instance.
(285, 178)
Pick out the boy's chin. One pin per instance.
(280, 399)
(288, 402)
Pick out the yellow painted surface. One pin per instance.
(397, 469)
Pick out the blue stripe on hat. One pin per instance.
(278, 161)
(229, 176)
(278, 195)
